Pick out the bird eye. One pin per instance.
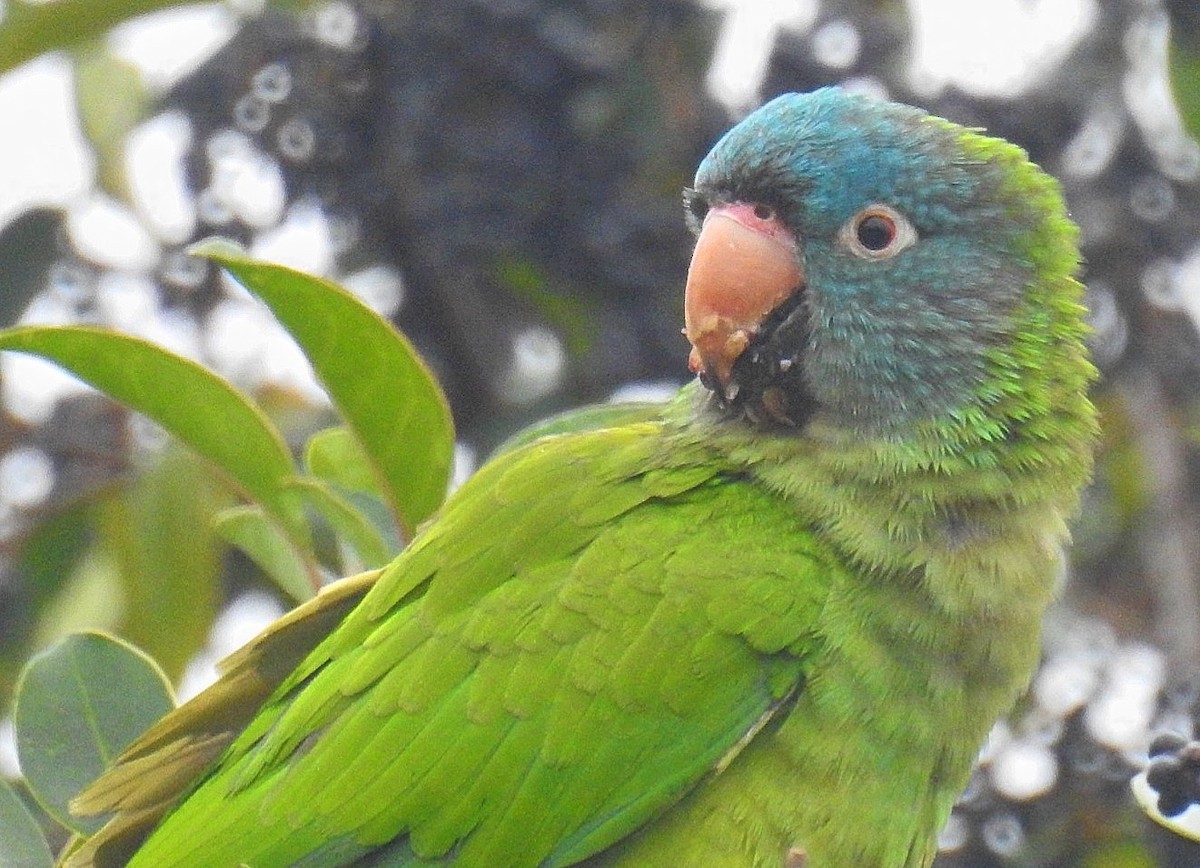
(875, 232)
(764, 212)
(878, 232)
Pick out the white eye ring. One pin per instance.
(877, 232)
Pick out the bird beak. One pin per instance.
(745, 264)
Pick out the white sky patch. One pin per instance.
(247, 616)
(30, 387)
(301, 241)
(129, 303)
(26, 476)
(246, 183)
(644, 391)
(1151, 101)
(1120, 716)
(466, 461)
(126, 302)
(1024, 770)
(536, 367)
(1175, 285)
(380, 287)
(154, 155)
(44, 158)
(167, 45)
(107, 232)
(236, 339)
(996, 48)
(10, 766)
(987, 48)
(744, 46)
(246, 344)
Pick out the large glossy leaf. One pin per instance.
(78, 704)
(188, 400)
(22, 844)
(251, 530)
(387, 396)
(351, 526)
(335, 456)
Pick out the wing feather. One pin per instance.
(593, 624)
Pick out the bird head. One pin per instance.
(866, 260)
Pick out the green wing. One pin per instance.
(590, 627)
(590, 417)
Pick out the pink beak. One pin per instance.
(744, 265)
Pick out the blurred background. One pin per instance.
(502, 178)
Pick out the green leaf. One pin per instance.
(78, 705)
(28, 252)
(354, 528)
(386, 395)
(29, 28)
(44, 562)
(191, 402)
(1184, 67)
(336, 456)
(251, 530)
(112, 99)
(157, 533)
(21, 841)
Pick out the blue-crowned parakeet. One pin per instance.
(767, 624)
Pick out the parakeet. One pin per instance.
(766, 624)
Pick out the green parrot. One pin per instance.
(768, 623)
